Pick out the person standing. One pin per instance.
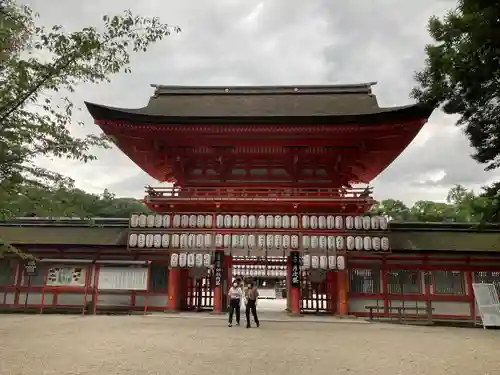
(235, 295)
(252, 294)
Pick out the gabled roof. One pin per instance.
(261, 104)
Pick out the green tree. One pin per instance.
(462, 75)
(39, 69)
(394, 209)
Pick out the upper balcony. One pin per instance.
(164, 199)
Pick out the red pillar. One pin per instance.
(174, 289)
(219, 279)
(342, 292)
(294, 291)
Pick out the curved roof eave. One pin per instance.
(141, 115)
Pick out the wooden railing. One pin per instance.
(250, 193)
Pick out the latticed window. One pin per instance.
(6, 275)
(404, 281)
(364, 280)
(158, 276)
(449, 282)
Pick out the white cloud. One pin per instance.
(232, 42)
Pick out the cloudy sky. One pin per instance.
(278, 42)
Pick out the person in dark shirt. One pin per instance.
(251, 296)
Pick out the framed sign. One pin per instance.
(295, 269)
(218, 263)
(30, 268)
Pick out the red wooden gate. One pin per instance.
(315, 294)
(199, 293)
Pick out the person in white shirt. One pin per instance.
(235, 295)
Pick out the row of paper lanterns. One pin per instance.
(191, 260)
(259, 221)
(259, 241)
(259, 270)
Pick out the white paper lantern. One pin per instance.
(199, 240)
(269, 221)
(158, 221)
(166, 221)
(305, 221)
(367, 222)
(306, 242)
(314, 242)
(323, 262)
(208, 221)
(183, 240)
(341, 262)
(141, 240)
(142, 220)
(322, 242)
(384, 243)
(294, 241)
(243, 221)
(306, 261)
(252, 241)
(199, 260)
(192, 221)
(339, 222)
(261, 241)
(269, 241)
(374, 222)
(191, 241)
(227, 221)
(277, 241)
(358, 243)
(190, 260)
(219, 240)
(177, 221)
(350, 243)
(367, 243)
(174, 260)
(332, 262)
(261, 221)
(314, 261)
(349, 222)
(208, 240)
(321, 222)
(149, 240)
(251, 221)
(331, 242)
(286, 241)
(382, 223)
(277, 221)
(235, 221)
(150, 221)
(200, 221)
(285, 221)
(132, 240)
(243, 241)
(313, 222)
(294, 222)
(219, 221)
(134, 220)
(376, 243)
(182, 260)
(339, 242)
(235, 241)
(184, 221)
(157, 240)
(206, 260)
(227, 241)
(358, 223)
(330, 221)
(175, 240)
(165, 241)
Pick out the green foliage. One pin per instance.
(462, 206)
(462, 74)
(39, 68)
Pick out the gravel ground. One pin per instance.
(161, 345)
